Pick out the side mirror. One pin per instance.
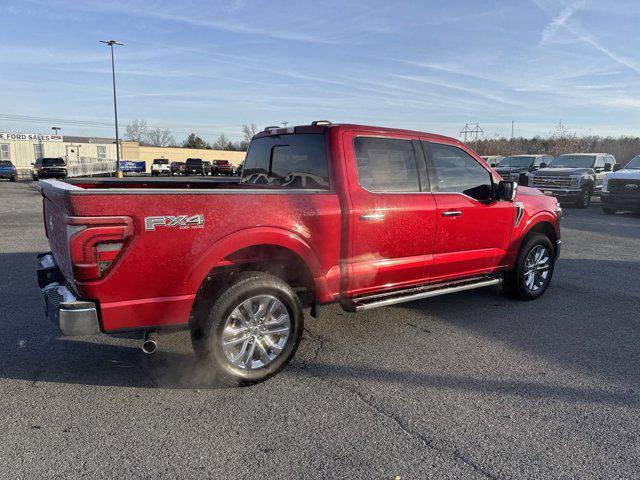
(607, 167)
(543, 165)
(32, 164)
(598, 169)
(617, 166)
(507, 190)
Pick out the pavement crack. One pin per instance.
(320, 343)
(395, 419)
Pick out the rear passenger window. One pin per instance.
(457, 171)
(386, 164)
(290, 161)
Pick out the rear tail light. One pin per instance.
(96, 243)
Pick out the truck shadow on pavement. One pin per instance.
(590, 326)
(587, 321)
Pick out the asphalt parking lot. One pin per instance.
(472, 385)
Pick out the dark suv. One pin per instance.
(49, 167)
(196, 166)
(518, 167)
(574, 177)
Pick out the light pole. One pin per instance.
(111, 43)
(56, 129)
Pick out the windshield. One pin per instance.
(53, 161)
(634, 164)
(194, 161)
(573, 161)
(161, 162)
(221, 162)
(516, 162)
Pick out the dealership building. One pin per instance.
(23, 149)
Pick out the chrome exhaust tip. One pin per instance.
(150, 342)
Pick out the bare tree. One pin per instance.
(136, 131)
(248, 131)
(222, 143)
(160, 137)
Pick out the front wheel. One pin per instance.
(252, 329)
(585, 198)
(531, 275)
(609, 211)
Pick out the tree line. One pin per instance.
(139, 131)
(560, 141)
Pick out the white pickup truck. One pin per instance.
(160, 166)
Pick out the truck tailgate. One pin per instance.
(54, 214)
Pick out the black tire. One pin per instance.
(207, 331)
(12, 179)
(609, 211)
(515, 281)
(585, 197)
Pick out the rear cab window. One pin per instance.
(288, 161)
(5, 163)
(49, 162)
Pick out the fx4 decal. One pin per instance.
(180, 221)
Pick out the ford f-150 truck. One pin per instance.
(574, 177)
(621, 189)
(361, 216)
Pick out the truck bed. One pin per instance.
(180, 256)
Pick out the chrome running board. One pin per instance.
(359, 304)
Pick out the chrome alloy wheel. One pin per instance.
(256, 332)
(536, 268)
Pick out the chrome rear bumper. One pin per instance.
(62, 307)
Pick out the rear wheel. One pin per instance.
(533, 270)
(585, 197)
(609, 211)
(252, 329)
(12, 179)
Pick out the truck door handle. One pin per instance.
(451, 213)
(372, 217)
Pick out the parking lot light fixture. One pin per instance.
(111, 43)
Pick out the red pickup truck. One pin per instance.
(362, 216)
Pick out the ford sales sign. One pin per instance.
(37, 137)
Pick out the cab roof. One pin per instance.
(319, 127)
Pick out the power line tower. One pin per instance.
(471, 130)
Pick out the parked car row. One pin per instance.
(193, 166)
(577, 177)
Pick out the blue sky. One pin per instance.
(209, 67)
